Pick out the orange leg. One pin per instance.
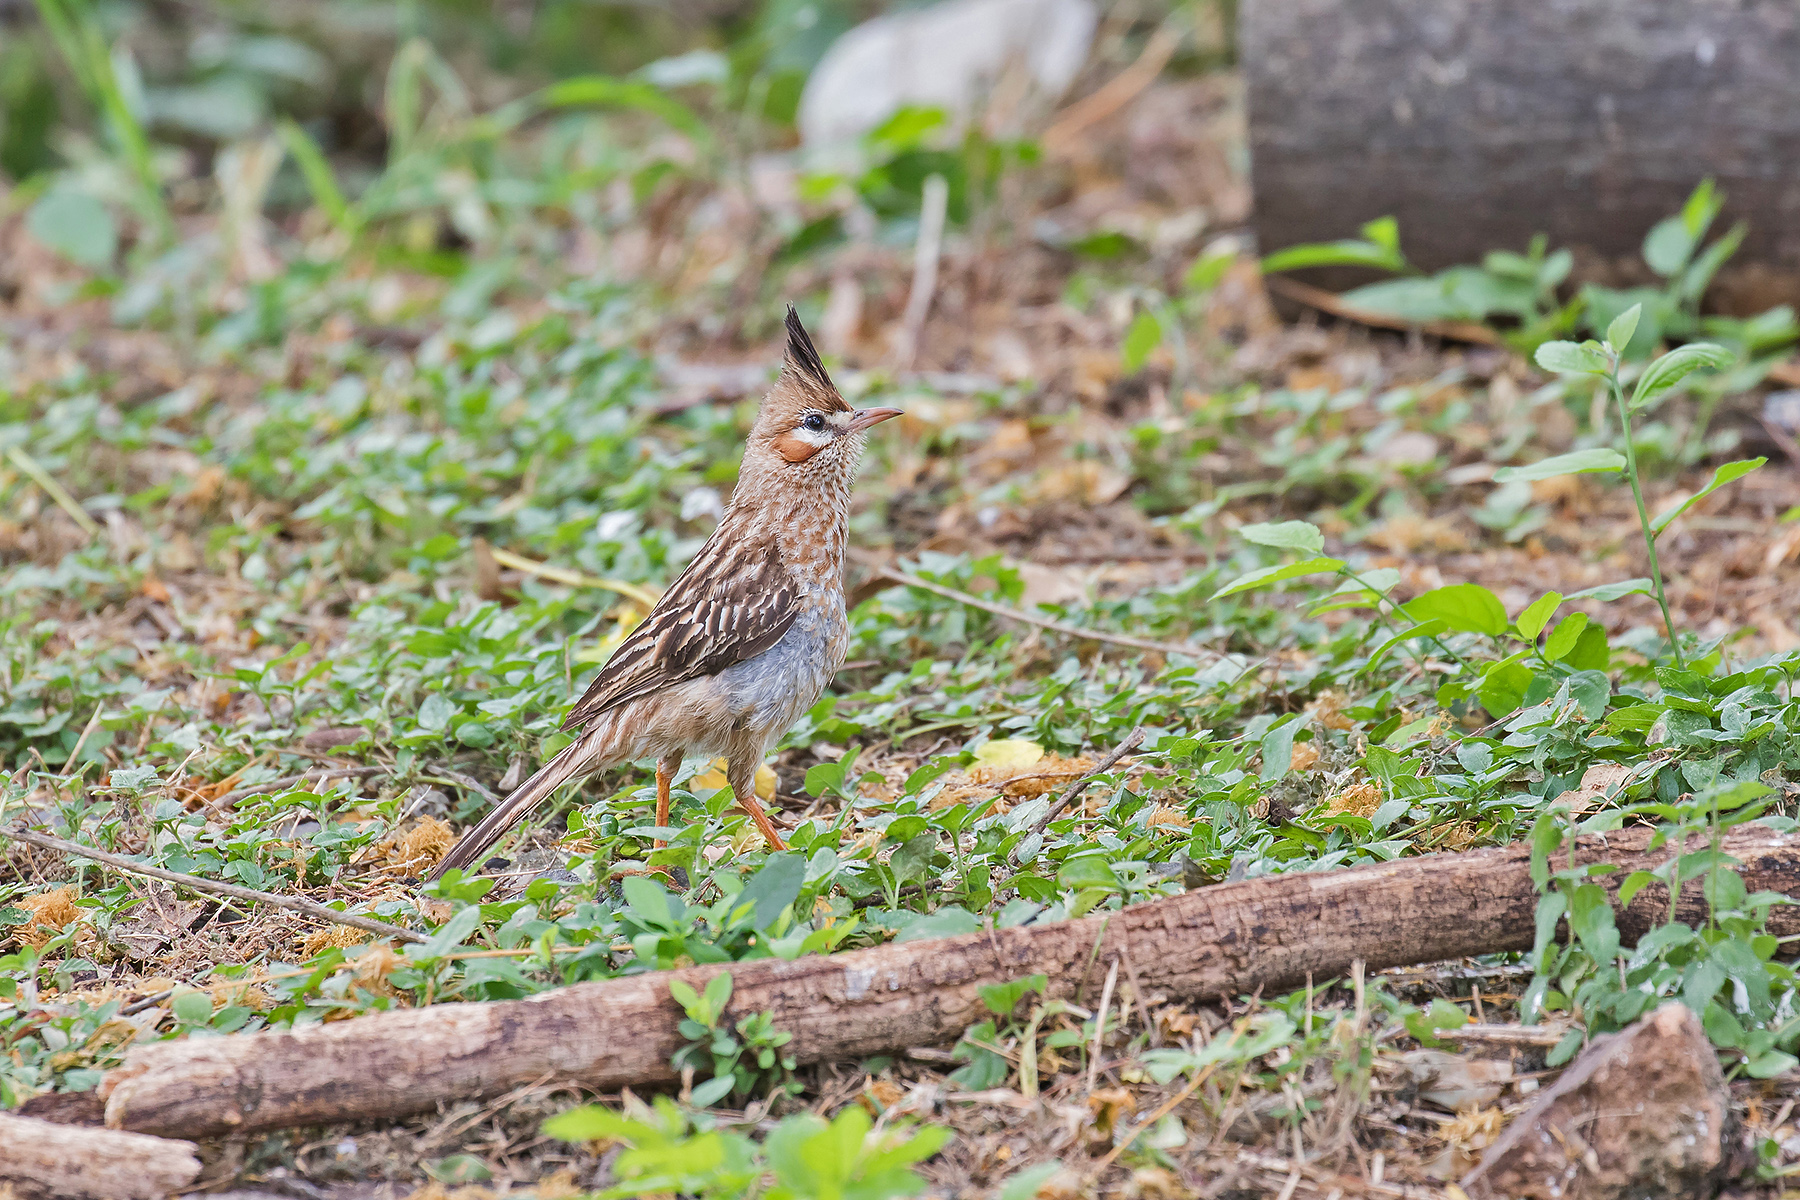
(742, 775)
(665, 775)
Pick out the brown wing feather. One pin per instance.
(725, 608)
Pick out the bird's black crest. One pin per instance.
(800, 352)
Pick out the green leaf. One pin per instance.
(1573, 358)
(436, 712)
(448, 936)
(1423, 629)
(1347, 253)
(1268, 575)
(1026, 1184)
(1667, 247)
(774, 887)
(707, 1094)
(1724, 475)
(1531, 622)
(75, 225)
(320, 180)
(1564, 1050)
(685, 995)
(193, 1008)
(1562, 639)
(1208, 269)
(646, 898)
(607, 92)
(1613, 591)
(1384, 232)
(718, 992)
(1676, 365)
(1634, 717)
(1634, 883)
(1769, 1064)
(591, 1122)
(1002, 998)
(1302, 536)
(1467, 607)
(1144, 336)
(947, 921)
(1591, 652)
(1278, 749)
(1598, 459)
(1618, 333)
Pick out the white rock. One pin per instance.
(947, 56)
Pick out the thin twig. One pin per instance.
(1503, 1035)
(459, 779)
(1782, 439)
(311, 908)
(54, 490)
(1013, 614)
(1168, 1106)
(926, 251)
(82, 740)
(317, 775)
(1116, 92)
(1080, 785)
(1106, 994)
(630, 591)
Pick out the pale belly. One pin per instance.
(767, 694)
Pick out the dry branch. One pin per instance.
(1270, 932)
(214, 887)
(79, 1162)
(1062, 627)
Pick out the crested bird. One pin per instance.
(748, 636)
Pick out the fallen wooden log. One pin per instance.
(79, 1162)
(1478, 125)
(1271, 933)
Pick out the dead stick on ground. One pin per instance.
(54, 490)
(1116, 93)
(317, 775)
(1013, 614)
(933, 206)
(1081, 785)
(311, 908)
(1228, 939)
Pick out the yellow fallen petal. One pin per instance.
(1008, 754)
(711, 779)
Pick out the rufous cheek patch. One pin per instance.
(793, 449)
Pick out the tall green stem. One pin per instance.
(1637, 493)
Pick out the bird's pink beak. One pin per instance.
(865, 417)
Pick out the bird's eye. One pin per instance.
(814, 422)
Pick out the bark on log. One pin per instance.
(1270, 932)
(1480, 124)
(1643, 1113)
(79, 1162)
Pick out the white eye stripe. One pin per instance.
(802, 434)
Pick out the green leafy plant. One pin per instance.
(75, 222)
(1603, 360)
(803, 1157)
(1525, 289)
(1725, 970)
(989, 1049)
(745, 1059)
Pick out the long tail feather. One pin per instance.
(575, 758)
